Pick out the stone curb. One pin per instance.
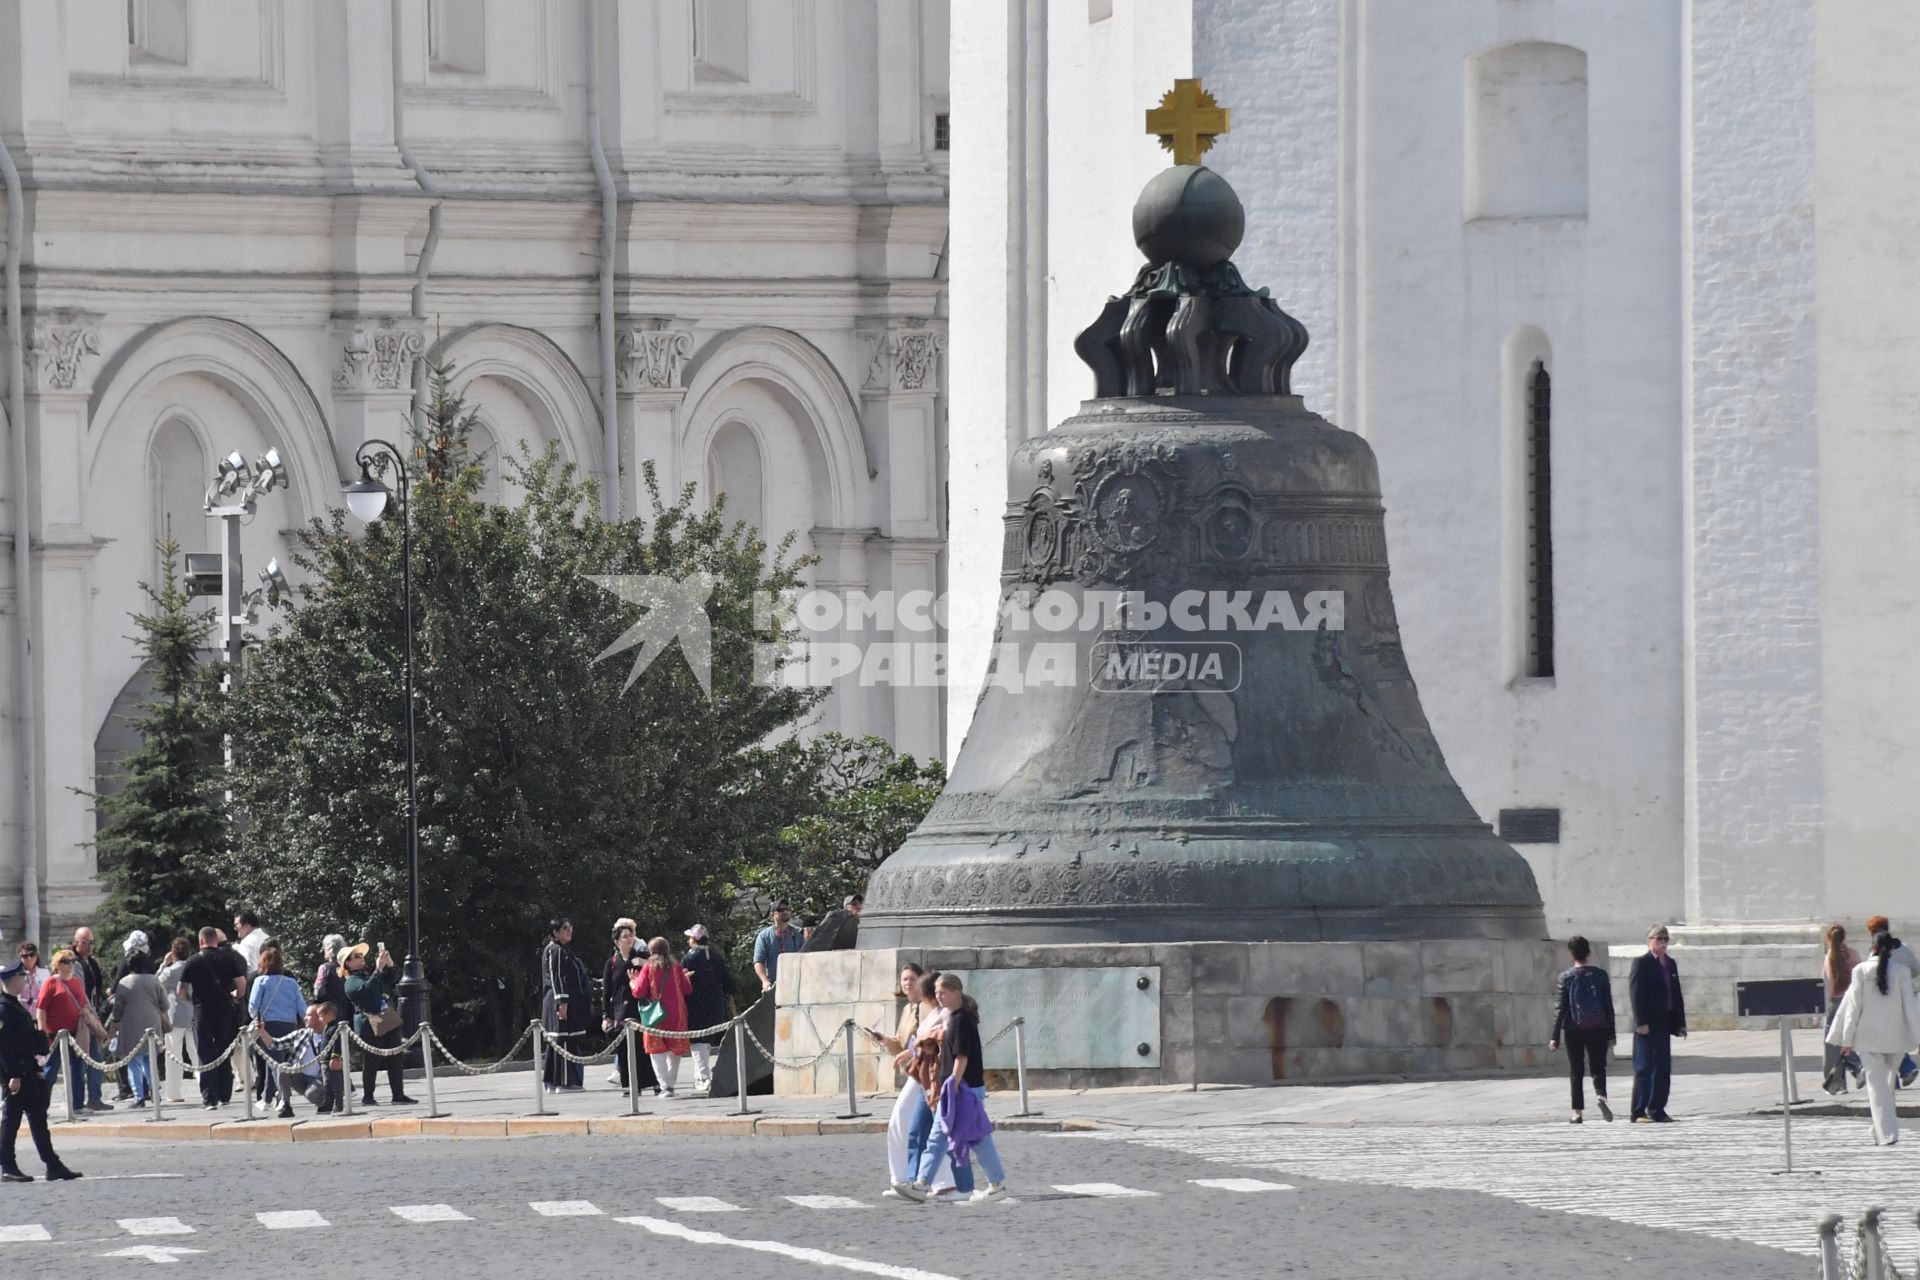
(361, 1127)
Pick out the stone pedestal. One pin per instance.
(1713, 958)
(1228, 1013)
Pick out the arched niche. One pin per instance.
(814, 459)
(526, 391)
(188, 392)
(1526, 132)
(178, 467)
(736, 468)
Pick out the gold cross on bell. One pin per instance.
(1187, 121)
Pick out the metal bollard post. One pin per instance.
(539, 1071)
(346, 1068)
(1020, 1065)
(633, 1070)
(153, 1074)
(66, 1072)
(740, 1064)
(1830, 1268)
(426, 1059)
(853, 1104)
(243, 1047)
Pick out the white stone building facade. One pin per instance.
(225, 248)
(1696, 217)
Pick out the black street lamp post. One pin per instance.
(367, 499)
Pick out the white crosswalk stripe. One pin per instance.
(698, 1204)
(429, 1213)
(1715, 1178)
(311, 1219)
(1240, 1184)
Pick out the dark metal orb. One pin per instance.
(1188, 214)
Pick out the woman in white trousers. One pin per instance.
(180, 1044)
(1880, 1020)
(910, 1098)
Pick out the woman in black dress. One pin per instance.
(616, 999)
(708, 1005)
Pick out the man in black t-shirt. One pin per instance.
(216, 983)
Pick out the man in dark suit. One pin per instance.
(23, 1078)
(1659, 1014)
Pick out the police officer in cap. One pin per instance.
(23, 1077)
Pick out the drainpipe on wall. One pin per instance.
(23, 601)
(424, 267)
(610, 496)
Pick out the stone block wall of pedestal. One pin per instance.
(1229, 1013)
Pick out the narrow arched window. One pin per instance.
(177, 474)
(735, 468)
(1538, 474)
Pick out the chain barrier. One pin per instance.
(466, 1068)
(553, 1047)
(225, 1054)
(342, 1034)
(107, 1066)
(327, 1049)
(790, 1064)
(391, 1051)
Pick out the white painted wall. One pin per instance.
(193, 221)
(1867, 183)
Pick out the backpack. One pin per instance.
(1588, 1006)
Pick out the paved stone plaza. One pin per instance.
(1469, 1178)
(1084, 1207)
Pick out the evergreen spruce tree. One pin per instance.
(161, 834)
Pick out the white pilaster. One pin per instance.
(62, 358)
(650, 354)
(1754, 807)
(898, 403)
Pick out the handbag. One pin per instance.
(651, 1013)
(388, 1019)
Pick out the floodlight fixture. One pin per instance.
(269, 472)
(204, 574)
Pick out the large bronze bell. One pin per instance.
(1235, 750)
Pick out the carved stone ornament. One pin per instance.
(378, 354)
(650, 356)
(57, 348)
(905, 358)
(916, 352)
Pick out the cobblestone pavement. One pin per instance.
(1722, 1179)
(1328, 1204)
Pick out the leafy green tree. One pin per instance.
(546, 786)
(163, 831)
(866, 799)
